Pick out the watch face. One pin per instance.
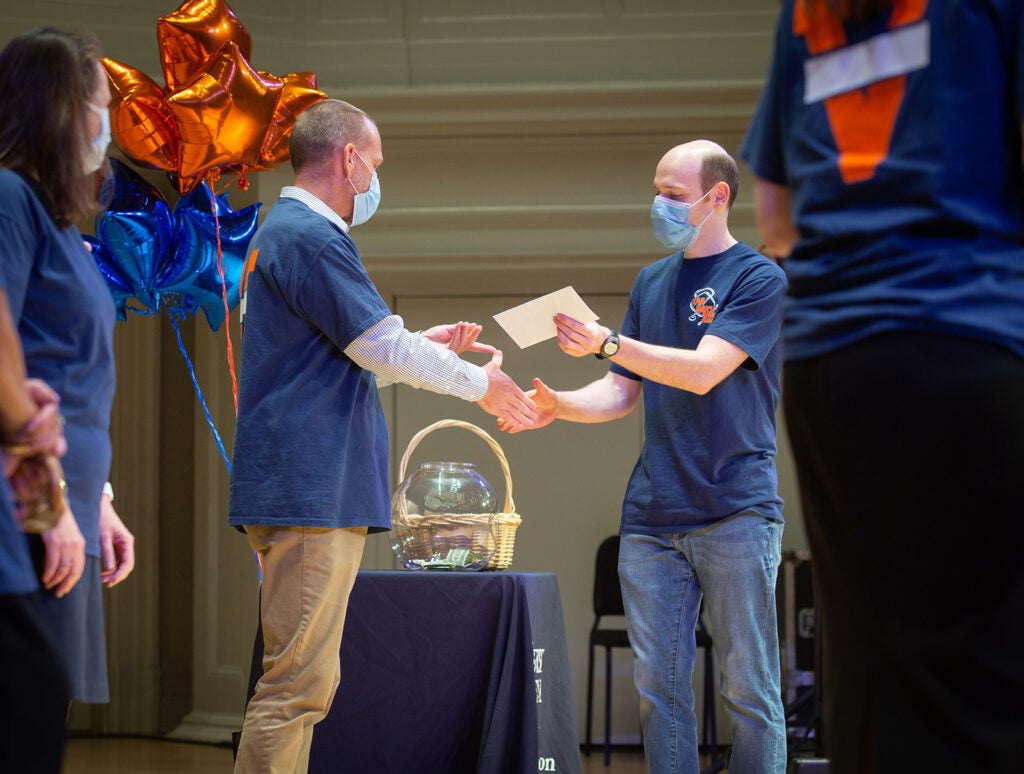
(610, 345)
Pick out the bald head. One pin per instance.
(706, 161)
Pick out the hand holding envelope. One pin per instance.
(533, 322)
(563, 314)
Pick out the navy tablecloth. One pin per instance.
(450, 673)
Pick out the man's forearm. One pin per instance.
(693, 370)
(397, 355)
(602, 401)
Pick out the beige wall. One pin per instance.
(520, 140)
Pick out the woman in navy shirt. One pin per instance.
(54, 132)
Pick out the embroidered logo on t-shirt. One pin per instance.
(703, 306)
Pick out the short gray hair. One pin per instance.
(323, 128)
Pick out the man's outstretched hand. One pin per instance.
(546, 401)
(504, 399)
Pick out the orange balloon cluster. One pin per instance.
(218, 114)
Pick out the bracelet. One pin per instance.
(108, 490)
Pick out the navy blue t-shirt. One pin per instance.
(707, 457)
(65, 317)
(311, 443)
(904, 172)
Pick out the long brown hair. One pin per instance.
(46, 78)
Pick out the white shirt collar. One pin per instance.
(315, 204)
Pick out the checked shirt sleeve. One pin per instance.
(396, 355)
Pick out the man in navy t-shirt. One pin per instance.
(310, 471)
(701, 519)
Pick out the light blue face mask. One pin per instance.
(365, 204)
(97, 151)
(671, 222)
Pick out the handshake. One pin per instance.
(31, 462)
(515, 409)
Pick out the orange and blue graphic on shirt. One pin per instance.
(250, 264)
(703, 306)
(862, 85)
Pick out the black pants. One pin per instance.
(910, 458)
(33, 690)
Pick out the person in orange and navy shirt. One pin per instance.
(887, 151)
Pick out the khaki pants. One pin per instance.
(307, 578)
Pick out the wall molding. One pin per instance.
(557, 110)
(564, 174)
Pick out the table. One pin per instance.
(451, 673)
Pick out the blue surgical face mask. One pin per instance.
(97, 150)
(365, 204)
(671, 222)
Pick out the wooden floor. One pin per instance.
(145, 756)
(129, 755)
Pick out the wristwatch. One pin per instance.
(610, 345)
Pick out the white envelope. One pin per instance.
(532, 322)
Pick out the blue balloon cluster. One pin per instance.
(168, 259)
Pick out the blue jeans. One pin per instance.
(733, 565)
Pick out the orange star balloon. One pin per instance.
(217, 113)
(141, 120)
(192, 37)
(299, 93)
(224, 114)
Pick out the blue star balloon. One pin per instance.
(167, 259)
(118, 283)
(136, 234)
(194, 275)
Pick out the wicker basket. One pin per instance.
(491, 534)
